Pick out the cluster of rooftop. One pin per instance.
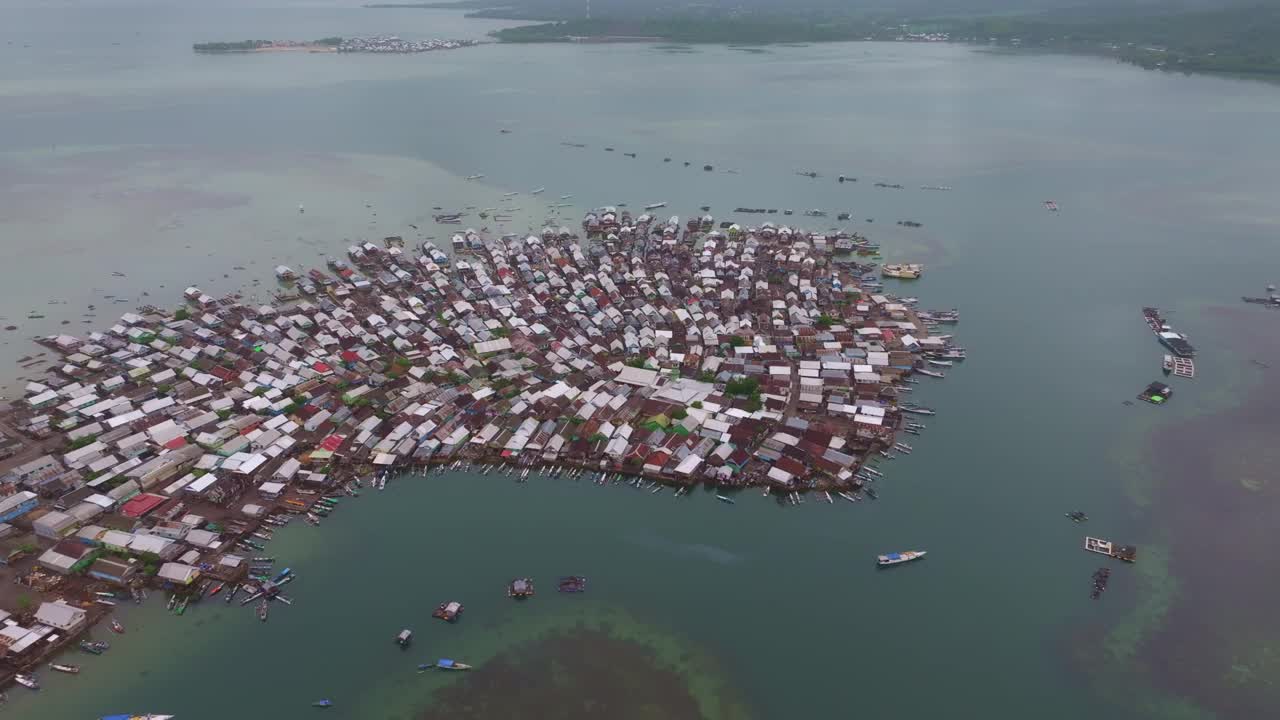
(683, 354)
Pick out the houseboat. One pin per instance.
(284, 272)
(520, 588)
(404, 638)
(909, 271)
(1127, 553)
(448, 611)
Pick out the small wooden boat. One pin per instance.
(116, 627)
(404, 638)
(322, 703)
(725, 499)
(898, 558)
(262, 611)
(95, 648)
(216, 589)
(446, 664)
(27, 681)
(69, 669)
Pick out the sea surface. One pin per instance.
(121, 151)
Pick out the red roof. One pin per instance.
(350, 356)
(332, 443)
(792, 466)
(320, 367)
(140, 505)
(176, 443)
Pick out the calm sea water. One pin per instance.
(123, 151)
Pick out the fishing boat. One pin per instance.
(448, 611)
(216, 589)
(231, 594)
(1050, 205)
(1167, 364)
(95, 648)
(104, 601)
(655, 206)
(27, 681)
(520, 588)
(939, 363)
(182, 605)
(404, 638)
(116, 627)
(446, 664)
(148, 716)
(897, 558)
(724, 499)
(930, 373)
(917, 410)
(69, 669)
(262, 610)
(322, 703)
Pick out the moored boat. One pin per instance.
(116, 627)
(902, 271)
(572, 584)
(96, 648)
(448, 611)
(520, 588)
(724, 499)
(27, 681)
(897, 558)
(447, 664)
(69, 669)
(404, 638)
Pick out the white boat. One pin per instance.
(898, 558)
(930, 373)
(536, 192)
(565, 197)
(474, 177)
(27, 681)
(655, 206)
(724, 499)
(940, 363)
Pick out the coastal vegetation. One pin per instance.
(1191, 38)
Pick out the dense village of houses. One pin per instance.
(683, 355)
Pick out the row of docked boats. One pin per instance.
(1176, 342)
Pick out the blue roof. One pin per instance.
(444, 663)
(893, 556)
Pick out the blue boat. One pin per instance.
(283, 574)
(322, 703)
(446, 664)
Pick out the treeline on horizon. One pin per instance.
(1177, 35)
(250, 45)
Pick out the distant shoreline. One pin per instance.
(379, 44)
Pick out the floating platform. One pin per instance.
(1127, 553)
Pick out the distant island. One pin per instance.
(1237, 40)
(244, 46)
(388, 44)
